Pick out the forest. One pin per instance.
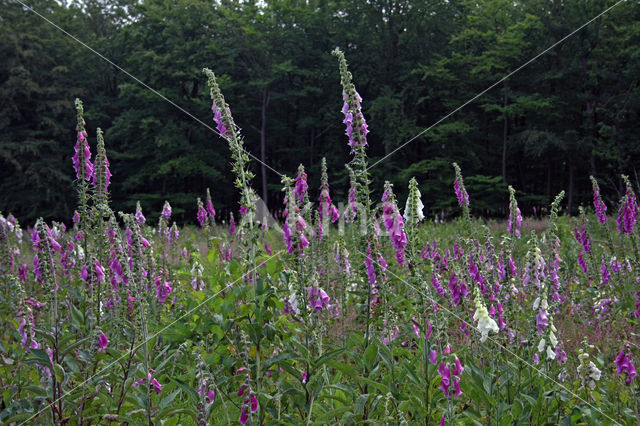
(571, 111)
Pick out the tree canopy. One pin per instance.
(570, 113)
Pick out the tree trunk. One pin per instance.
(263, 144)
(504, 132)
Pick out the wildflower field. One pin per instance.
(369, 315)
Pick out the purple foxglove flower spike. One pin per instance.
(600, 206)
(102, 342)
(202, 214)
(209, 206)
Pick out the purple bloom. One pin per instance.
(454, 289)
(244, 415)
(166, 211)
(624, 365)
(101, 167)
(353, 206)
(435, 283)
(287, 237)
(605, 273)
(223, 124)
(445, 375)
(583, 238)
(628, 211)
(394, 224)
(22, 272)
(140, 219)
(99, 271)
(157, 387)
(82, 157)
(102, 342)
(458, 369)
(515, 217)
(433, 357)
(202, 214)
(561, 356)
(210, 209)
(318, 298)
(461, 192)
(582, 262)
(326, 208)
(600, 206)
(301, 185)
(356, 126)
(512, 267)
(163, 289)
(254, 403)
(542, 321)
(232, 225)
(371, 272)
(84, 274)
(54, 244)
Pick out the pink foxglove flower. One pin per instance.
(209, 206)
(166, 211)
(356, 126)
(624, 364)
(301, 186)
(393, 223)
(325, 207)
(244, 415)
(102, 342)
(232, 225)
(458, 186)
(82, 157)
(368, 261)
(600, 206)
(163, 289)
(628, 211)
(140, 219)
(318, 298)
(155, 385)
(101, 172)
(254, 403)
(515, 217)
(202, 214)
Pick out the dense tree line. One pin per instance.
(570, 113)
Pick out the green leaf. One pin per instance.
(59, 372)
(168, 399)
(64, 351)
(186, 387)
(39, 356)
(346, 369)
(369, 356)
(361, 401)
(329, 355)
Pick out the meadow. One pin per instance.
(369, 314)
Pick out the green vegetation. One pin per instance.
(570, 113)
